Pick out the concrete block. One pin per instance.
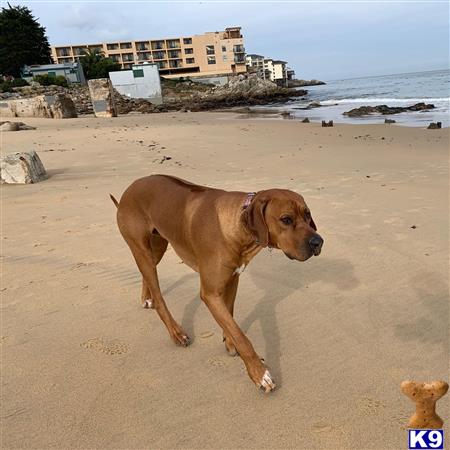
(21, 168)
(58, 106)
(102, 97)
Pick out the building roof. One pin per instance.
(254, 55)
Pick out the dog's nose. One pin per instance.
(316, 243)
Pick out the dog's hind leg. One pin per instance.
(158, 247)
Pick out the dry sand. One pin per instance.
(84, 366)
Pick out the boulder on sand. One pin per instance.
(21, 168)
(14, 126)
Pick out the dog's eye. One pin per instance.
(307, 214)
(287, 220)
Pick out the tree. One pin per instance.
(96, 65)
(22, 40)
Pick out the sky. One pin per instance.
(325, 40)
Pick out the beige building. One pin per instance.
(208, 54)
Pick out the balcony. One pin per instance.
(63, 51)
(173, 64)
(238, 49)
(239, 58)
(145, 56)
(173, 43)
(158, 45)
(125, 45)
(142, 46)
(174, 54)
(159, 55)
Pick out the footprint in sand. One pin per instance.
(370, 406)
(218, 361)
(109, 347)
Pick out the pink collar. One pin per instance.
(248, 200)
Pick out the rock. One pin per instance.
(21, 168)
(58, 106)
(327, 124)
(384, 109)
(102, 97)
(389, 121)
(435, 126)
(301, 83)
(305, 120)
(14, 126)
(313, 105)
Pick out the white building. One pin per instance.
(269, 69)
(142, 81)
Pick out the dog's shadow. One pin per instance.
(279, 279)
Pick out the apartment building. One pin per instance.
(269, 69)
(208, 54)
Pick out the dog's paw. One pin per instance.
(267, 384)
(180, 338)
(148, 303)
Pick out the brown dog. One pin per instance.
(216, 233)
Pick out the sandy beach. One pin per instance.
(84, 366)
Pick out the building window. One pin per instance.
(159, 55)
(139, 73)
(187, 41)
(51, 74)
(225, 58)
(190, 60)
(238, 49)
(112, 46)
(210, 50)
(211, 59)
(188, 51)
(224, 48)
(125, 45)
(127, 57)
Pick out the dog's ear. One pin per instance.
(256, 222)
(312, 224)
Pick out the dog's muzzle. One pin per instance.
(315, 244)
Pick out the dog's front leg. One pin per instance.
(257, 371)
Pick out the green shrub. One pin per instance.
(6, 86)
(49, 80)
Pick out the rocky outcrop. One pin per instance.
(384, 109)
(14, 126)
(21, 168)
(302, 83)
(102, 97)
(327, 124)
(242, 90)
(58, 106)
(434, 126)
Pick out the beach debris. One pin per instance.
(389, 121)
(305, 120)
(425, 396)
(386, 110)
(102, 97)
(434, 126)
(14, 126)
(413, 227)
(327, 124)
(58, 106)
(21, 168)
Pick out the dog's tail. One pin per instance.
(114, 200)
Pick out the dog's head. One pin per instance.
(281, 219)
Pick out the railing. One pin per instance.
(238, 49)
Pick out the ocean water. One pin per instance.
(393, 90)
